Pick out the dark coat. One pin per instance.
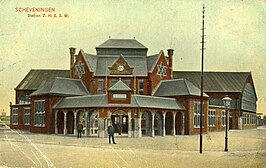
(110, 130)
(79, 127)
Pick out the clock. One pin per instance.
(121, 68)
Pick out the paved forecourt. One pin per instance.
(247, 148)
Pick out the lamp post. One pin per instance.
(226, 101)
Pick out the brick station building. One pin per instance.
(119, 84)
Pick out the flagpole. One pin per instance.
(201, 87)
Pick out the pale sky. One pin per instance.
(236, 35)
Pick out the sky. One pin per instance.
(235, 35)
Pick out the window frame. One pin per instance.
(100, 89)
(27, 116)
(141, 90)
(211, 118)
(223, 118)
(14, 116)
(39, 113)
(196, 118)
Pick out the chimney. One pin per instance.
(170, 53)
(72, 56)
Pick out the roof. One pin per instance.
(158, 102)
(177, 87)
(62, 86)
(151, 61)
(99, 64)
(120, 86)
(39, 77)
(91, 61)
(122, 43)
(101, 100)
(216, 81)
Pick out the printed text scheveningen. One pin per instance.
(34, 9)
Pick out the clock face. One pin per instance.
(121, 68)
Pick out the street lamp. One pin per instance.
(226, 101)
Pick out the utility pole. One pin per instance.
(201, 86)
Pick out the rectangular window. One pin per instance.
(211, 118)
(120, 96)
(15, 116)
(223, 118)
(100, 87)
(39, 113)
(141, 87)
(26, 116)
(197, 115)
(24, 100)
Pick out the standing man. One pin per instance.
(79, 128)
(111, 132)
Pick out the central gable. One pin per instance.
(121, 67)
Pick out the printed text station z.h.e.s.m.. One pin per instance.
(42, 12)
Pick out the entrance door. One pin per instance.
(120, 123)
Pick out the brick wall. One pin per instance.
(50, 101)
(87, 77)
(20, 124)
(154, 77)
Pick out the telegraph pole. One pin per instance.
(202, 65)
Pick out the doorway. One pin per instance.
(120, 123)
